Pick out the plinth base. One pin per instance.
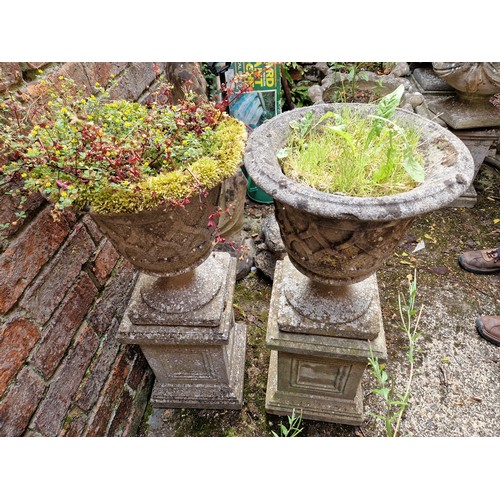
(319, 374)
(196, 353)
(197, 385)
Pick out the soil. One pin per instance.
(455, 387)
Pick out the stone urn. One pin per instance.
(180, 312)
(325, 310)
(475, 83)
(338, 239)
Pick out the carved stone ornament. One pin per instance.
(470, 78)
(167, 241)
(473, 105)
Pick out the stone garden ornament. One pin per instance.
(150, 176)
(325, 307)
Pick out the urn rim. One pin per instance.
(444, 182)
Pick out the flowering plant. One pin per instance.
(116, 156)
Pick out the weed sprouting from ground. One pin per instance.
(294, 426)
(396, 404)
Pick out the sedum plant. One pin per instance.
(89, 152)
(354, 154)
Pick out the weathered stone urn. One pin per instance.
(459, 94)
(180, 312)
(325, 308)
(167, 241)
(475, 83)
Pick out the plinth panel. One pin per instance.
(184, 364)
(315, 375)
(204, 388)
(323, 402)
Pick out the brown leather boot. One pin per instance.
(481, 261)
(489, 328)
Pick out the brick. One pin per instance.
(140, 367)
(122, 415)
(26, 255)
(20, 403)
(45, 294)
(71, 217)
(9, 205)
(49, 417)
(17, 339)
(10, 74)
(92, 228)
(75, 426)
(114, 299)
(91, 387)
(57, 336)
(105, 261)
(73, 70)
(36, 65)
(141, 400)
(111, 393)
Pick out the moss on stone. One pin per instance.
(225, 156)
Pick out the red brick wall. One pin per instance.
(63, 291)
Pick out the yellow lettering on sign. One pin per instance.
(271, 76)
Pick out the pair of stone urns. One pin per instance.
(325, 310)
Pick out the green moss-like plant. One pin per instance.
(221, 162)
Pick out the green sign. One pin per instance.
(263, 102)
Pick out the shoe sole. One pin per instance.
(482, 332)
(477, 270)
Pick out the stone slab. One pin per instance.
(461, 114)
(167, 335)
(427, 82)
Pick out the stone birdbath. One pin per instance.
(325, 308)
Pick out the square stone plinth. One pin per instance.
(318, 375)
(197, 362)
